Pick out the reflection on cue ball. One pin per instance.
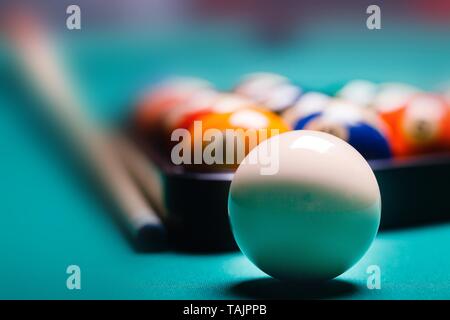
(314, 217)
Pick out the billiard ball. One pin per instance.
(208, 102)
(359, 127)
(309, 211)
(360, 92)
(180, 116)
(255, 85)
(282, 97)
(183, 117)
(307, 104)
(391, 96)
(421, 126)
(223, 139)
(155, 103)
(274, 91)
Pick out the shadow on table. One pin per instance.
(268, 288)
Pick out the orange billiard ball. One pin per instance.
(391, 99)
(220, 141)
(421, 126)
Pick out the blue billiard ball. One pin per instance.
(360, 128)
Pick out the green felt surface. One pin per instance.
(50, 217)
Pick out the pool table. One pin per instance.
(51, 217)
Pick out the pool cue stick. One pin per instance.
(41, 64)
(143, 170)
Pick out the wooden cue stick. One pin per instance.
(143, 170)
(41, 64)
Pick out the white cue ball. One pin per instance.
(316, 213)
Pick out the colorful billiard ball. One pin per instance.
(272, 90)
(154, 104)
(183, 116)
(420, 126)
(307, 104)
(359, 127)
(308, 212)
(391, 96)
(360, 92)
(223, 139)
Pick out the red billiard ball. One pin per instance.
(184, 115)
(155, 104)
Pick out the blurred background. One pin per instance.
(318, 44)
